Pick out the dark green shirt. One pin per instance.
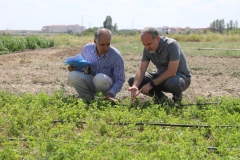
(169, 50)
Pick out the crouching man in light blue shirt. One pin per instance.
(107, 68)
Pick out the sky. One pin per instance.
(127, 14)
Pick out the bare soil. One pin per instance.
(43, 70)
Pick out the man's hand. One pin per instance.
(134, 92)
(110, 97)
(146, 88)
(72, 68)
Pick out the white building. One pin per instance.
(63, 28)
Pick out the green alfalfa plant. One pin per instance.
(230, 104)
(50, 140)
(3, 49)
(13, 44)
(45, 43)
(34, 42)
(100, 102)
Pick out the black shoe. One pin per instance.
(164, 100)
(159, 99)
(177, 98)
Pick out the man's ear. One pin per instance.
(95, 41)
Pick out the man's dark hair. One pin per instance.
(151, 30)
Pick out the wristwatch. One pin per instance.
(151, 83)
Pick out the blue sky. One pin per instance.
(127, 14)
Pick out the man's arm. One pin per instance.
(119, 76)
(140, 73)
(138, 79)
(170, 72)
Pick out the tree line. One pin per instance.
(219, 25)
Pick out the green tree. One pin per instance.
(115, 28)
(108, 24)
(236, 24)
(231, 24)
(218, 25)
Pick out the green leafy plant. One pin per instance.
(59, 126)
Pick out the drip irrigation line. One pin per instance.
(209, 148)
(67, 121)
(155, 124)
(172, 125)
(20, 139)
(214, 148)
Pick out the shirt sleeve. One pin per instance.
(85, 51)
(144, 56)
(118, 76)
(174, 51)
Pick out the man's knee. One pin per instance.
(175, 85)
(131, 80)
(73, 77)
(102, 82)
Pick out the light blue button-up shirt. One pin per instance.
(110, 64)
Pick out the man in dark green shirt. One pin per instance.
(172, 74)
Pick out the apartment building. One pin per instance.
(63, 28)
(168, 30)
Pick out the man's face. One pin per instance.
(149, 43)
(103, 44)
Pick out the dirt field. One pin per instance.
(34, 71)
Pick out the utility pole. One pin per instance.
(132, 23)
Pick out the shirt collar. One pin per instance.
(162, 44)
(102, 55)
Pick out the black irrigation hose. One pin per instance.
(172, 125)
(67, 121)
(154, 124)
(20, 139)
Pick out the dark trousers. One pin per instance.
(175, 85)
